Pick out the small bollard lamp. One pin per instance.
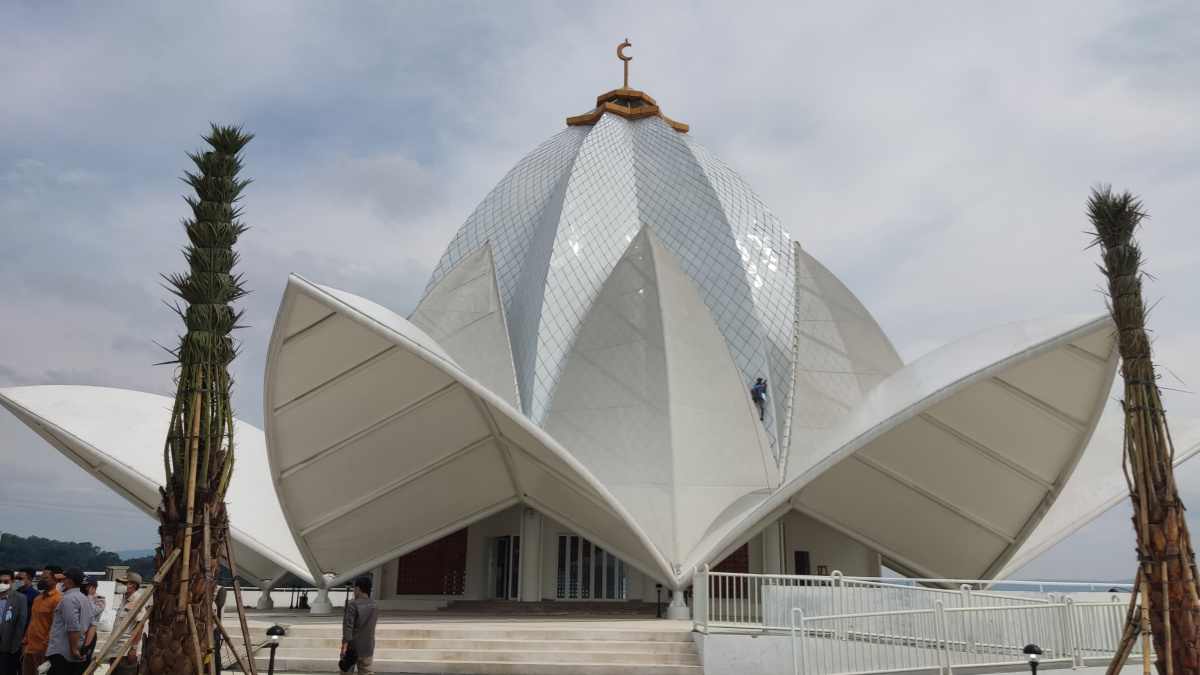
(274, 635)
(1033, 652)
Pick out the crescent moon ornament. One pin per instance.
(626, 59)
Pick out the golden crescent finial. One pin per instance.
(626, 59)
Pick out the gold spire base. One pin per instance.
(631, 104)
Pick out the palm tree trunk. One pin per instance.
(1167, 563)
(199, 451)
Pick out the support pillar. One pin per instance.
(531, 555)
(377, 583)
(322, 606)
(678, 609)
(772, 538)
(264, 596)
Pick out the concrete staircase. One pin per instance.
(498, 650)
(494, 608)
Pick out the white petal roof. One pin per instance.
(379, 443)
(947, 465)
(117, 436)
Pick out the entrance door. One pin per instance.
(588, 572)
(803, 564)
(506, 568)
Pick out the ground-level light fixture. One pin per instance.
(274, 635)
(1033, 652)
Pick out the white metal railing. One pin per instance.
(940, 639)
(725, 601)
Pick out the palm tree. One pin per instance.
(1166, 579)
(199, 450)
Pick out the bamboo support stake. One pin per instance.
(116, 658)
(1166, 610)
(184, 595)
(232, 647)
(237, 597)
(1130, 633)
(1146, 626)
(191, 620)
(212, 652)
(133, 612)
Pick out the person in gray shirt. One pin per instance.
(72, 618)
(358, 627)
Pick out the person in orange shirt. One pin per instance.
(41, 616)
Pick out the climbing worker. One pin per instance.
(758, 393)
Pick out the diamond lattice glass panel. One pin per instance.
(510, 213)
(765, 250)
(597, 224)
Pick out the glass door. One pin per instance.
(506, 568)
(588, 572)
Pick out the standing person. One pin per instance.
(358, 626)
(89, 589)
(128, 665)
(41, 617)
(758, 393)
(14, 615)
(26, 582)
(72, 619)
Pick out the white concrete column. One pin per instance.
(264, 598)
(678, 609)
(531, 556)
(322, 606)
(772, 538)
(377, 583)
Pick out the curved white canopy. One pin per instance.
(379, 443)
(117, 436)
(1096, 485)
(947, 465)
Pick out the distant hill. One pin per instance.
(136, 553)
(17, 552)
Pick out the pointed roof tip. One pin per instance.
(632, 104)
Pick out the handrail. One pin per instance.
(738, 601)
(943, 639)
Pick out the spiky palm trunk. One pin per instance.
(1167, 564)
(200, 446)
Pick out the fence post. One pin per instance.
(797, 665)
(1068, 627)
(839, 600)
(943, 640)
(968, 623)
(700, 592)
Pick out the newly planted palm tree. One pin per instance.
(1166, 579)
(199, 450)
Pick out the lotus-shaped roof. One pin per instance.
(585, 346)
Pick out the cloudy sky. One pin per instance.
(937, 158)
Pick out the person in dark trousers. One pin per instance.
(72, 618)
(758, 393)
(14, 615)
(358, 628)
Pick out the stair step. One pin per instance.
(442, 644)
(582, 667)
(504, 656)
(492, 633)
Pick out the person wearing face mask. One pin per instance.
(26, 581)
(41, 618)
(14, 614)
